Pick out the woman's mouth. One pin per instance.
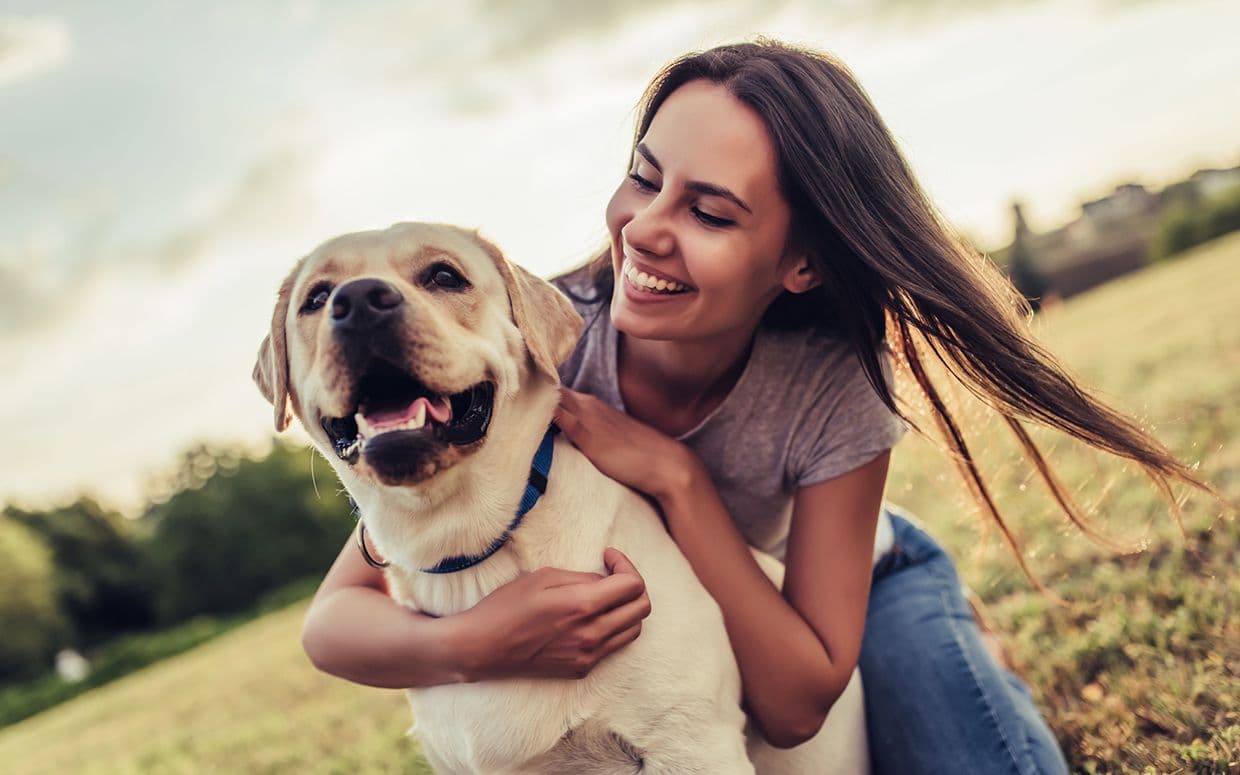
(645, 283)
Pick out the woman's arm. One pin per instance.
(353, 630)
(550, 623)
(796, 649)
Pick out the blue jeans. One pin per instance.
(935, 700)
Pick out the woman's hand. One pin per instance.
(555, 623)
(625, 449)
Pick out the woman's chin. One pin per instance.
(634, 323)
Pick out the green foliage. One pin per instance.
(99, 581)
(32, 628)
(1188, 222)
(240, 528)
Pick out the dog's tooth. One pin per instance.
(419, 416)
(363, 427)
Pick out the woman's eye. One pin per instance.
(642, 183)
(711, 220)
(445, 277)
(317, 298)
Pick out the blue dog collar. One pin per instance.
(535, 486)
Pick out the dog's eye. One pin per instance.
(316, 298)
(444, 276)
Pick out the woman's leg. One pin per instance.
(936, 701)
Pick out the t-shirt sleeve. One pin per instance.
(846, 425)
(571, 367)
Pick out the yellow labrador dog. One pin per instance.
(423, 365)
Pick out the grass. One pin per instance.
(1140, 672)
(134, 651)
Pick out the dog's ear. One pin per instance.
(544, 316)
(271, 368)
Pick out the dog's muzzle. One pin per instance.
(395, 416)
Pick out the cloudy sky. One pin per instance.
(163, 163)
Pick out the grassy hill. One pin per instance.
(1140, 671)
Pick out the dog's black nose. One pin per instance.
(362, 304)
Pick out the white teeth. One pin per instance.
(365, 431)
(418, 419)
(348, 451)
(650, 282)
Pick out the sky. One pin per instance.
(164, 163)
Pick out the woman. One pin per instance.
(768, 240)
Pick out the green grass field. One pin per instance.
(1140, 672)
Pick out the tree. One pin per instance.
(1022, 265)
(33, 627)
(99, 580)
(1189, 222)
(247, 527)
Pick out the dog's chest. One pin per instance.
(447, 594)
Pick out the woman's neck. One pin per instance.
(673, 385)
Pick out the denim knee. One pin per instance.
(935, 700)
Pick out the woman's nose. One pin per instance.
(650, 230)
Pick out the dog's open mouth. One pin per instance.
(392, 406)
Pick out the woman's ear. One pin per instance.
(801, 276)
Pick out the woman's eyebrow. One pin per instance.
(701, 187)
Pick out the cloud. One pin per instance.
(47, 274)
(30, 46)
(271, 191)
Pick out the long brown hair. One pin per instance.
(893, 271)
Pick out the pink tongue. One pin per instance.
(440, 413)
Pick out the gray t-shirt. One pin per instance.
(802, 412)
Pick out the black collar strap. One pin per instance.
(540, 469)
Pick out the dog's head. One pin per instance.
(395, 348)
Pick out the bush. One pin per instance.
(32, 625)
(99, 581)
(1187, 223)
(240, 529)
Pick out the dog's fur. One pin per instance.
(668, 702)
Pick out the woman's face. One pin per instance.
(701, 208)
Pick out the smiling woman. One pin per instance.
(763, 180)
(768, 250)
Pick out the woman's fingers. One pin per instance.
(585, 601)
(624, 617)
(558, 577)
(567, 423)
(567, 416)
(617, 561)
(615, 642)
(592, 640)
